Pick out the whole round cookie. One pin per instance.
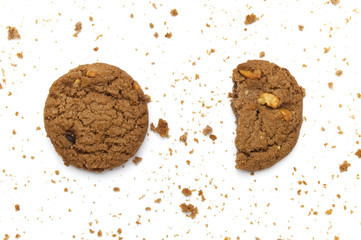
(96, 116)
(267, 102)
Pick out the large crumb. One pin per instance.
(189, 208)
(335, 2)
(250, 19)
(207, 130)
(183, 138)
(77, 29)
(137, 160)
(13, 33)
(344, 166)
(358, 153)
(162, 128)
(186, 192)
(174, 12)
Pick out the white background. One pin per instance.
(266, 205)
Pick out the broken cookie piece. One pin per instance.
(189, 208)
(268, 104)
(162, 128)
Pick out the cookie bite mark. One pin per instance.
(267, 103)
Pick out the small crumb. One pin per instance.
(358, 153)
(326, 50)
(183, 138)
(20, 55)
(95, 49)
(57, 172)
(100, 233)
(186, 192)
(148, 209)
(328, 212)
(344, 166)
(162, 128)
(174, 12)
(17, 207)
(330, 85)
(151, 25)
(13, 33)
(301, 27)
(207, 130)
(213, 137)
(168, 35)
(262, 54)
(156, 35)
(335, 2)
(339, 73)
(250, 19)
(116, 189)
(193, 211)
(158, 200)
(77, 29)
(200, 193)
(137, 160)
(131, 15)
(119, 231)
(14, 132)
(91, 18)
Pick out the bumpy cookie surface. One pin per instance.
(96, 116)
(267, 103)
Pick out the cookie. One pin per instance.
(96, 116)
(267, 103)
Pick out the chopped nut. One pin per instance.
(269, 99)
(286, 114)
(91, 73)
(77, 81)
(136, 86)
(256, 74)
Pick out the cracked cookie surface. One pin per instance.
(267, 103)
(96, 116)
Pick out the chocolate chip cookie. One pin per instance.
(96, 116)
(267, 103)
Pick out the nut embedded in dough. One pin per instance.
(269, 99)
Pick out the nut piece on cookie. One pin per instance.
(91, 73)
(269, 99)
(136, 86)
(256, 74)
(286, 114)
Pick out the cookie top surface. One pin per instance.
(96, 116)
(267, 103)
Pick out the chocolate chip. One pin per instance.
(70, 138)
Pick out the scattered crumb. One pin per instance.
(14, 132)
(162, 128)
(186, 192)
(158, 200)
(326, 50)
(95, 49)
(207, 130)
(119, 231)
(13, 33)
(17, 207)
(174, 12)
(137, 160)
(151, 25)
(328, 212)
(100, 233)
(262, 54)
(213, 137)
(338, 73)
(77, 29)
(193, 211)
(91, 18)
(358, 153)
(148, 209)
(301, 27)
(330, 85)
(20, 55)
(131, 15)
(335, 2)
(156, 35)
(168, 35)
(200, 193)
(344, 166)
(250, 19)
(183, 138)
(116, 189)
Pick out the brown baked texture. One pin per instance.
(267, 103)
(96, 116)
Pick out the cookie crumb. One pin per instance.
(200, 193)
(77, 29)
(335, 2)
(339, 73)
(158, 200)
(116, 189)
(119, 231)
(207, 130)
(168, 35)
(17, 207)
(137, 160)
(344, 166)
(251, 19)
(358, 153)
(156, 35)
(330, 85)
(13, 33)
(186, 192)
(162, 128)
(174, 12)
(262, 54)
(301, 27)
(183, 138)
(326, 50)
(20, 55)
(193, 211)
(95, 49)
(148, 209)
(151, 25)
(328, 212)
(100, 233)
(213, 137)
